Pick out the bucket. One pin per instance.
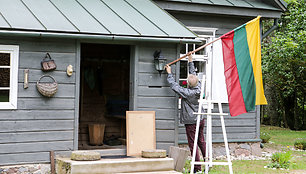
(96, 134)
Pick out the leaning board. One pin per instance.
(140, 132)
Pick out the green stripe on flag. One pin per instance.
(245, 69)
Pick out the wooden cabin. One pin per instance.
(110, 45)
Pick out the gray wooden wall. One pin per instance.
(240, 128)
(39, 124)
(154, 94)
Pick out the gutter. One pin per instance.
(94, 36)
(274, 27)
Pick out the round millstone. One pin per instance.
(158, 153)
(85, 156)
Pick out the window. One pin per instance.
(8, 76)
(201, 59)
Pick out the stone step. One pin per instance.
(158, 172)
(122, 165)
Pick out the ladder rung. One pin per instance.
(210, 113)
(213, 163)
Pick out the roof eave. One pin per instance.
(218, 10)
(87, 36)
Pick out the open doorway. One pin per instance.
(104, 95)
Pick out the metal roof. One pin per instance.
(130, 18)
(233, 3)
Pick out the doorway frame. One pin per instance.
(133, 81)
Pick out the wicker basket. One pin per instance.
(47, 89)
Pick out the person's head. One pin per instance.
(192, 81)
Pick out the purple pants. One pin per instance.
(190, 131)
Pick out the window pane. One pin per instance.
(200, 66)
(4, 77)
(4, 59)
(183, 69)
(183, 49)
(202, 51)
(4, 95)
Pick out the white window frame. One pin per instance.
(13, 50)
(207, 57)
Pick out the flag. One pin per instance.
(242, 67)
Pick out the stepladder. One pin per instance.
(208, 160)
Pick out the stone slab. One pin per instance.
(156, 153)
(85, 156)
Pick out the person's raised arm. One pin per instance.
(191, 64)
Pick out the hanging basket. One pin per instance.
(47, 89)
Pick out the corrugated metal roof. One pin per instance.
(232, 3)
(107, 17)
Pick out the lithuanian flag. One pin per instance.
(242, 67)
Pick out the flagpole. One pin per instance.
(191, 52)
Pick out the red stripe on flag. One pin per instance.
(235, 98)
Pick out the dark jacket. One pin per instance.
(190, 98)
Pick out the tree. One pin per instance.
(283, 56)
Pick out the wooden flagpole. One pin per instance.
(191, 52)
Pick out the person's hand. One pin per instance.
(189, 57)
(168, 69)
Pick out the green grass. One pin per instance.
(282, 136)
(280, 140)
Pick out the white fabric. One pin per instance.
(219, 92)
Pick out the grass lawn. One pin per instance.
(280, 140)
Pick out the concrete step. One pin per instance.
(122, 165)
(158, 172)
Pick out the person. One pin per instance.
(189, 105)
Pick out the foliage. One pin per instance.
(280, 160)
(265, 137)
(300, 144)
(283, 58)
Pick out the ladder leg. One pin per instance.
(206, 147)
(195, 144)
(225, 140)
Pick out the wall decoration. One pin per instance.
(47, 89)
(48, 64)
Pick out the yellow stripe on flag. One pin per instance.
(253, 37)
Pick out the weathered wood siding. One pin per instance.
(39, 124)
(241, 128)
(154, 94)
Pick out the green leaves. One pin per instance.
(283, 59)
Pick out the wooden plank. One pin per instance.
(156, 102)
(219, 136)
(24, 158)
(31, 60)
(45, 103)
(32, 125)
(66, 91)
(34, 75)
(179, 156)
(149, 67)
(155, 91)
(23, 137)
(146, 79)
(140, 126)
(36, 115)
(164, 145)
(165, 124)
(166, 136)
(228, 130)
(161, 114)
(27, 44)
(77, 99)
(35, 147)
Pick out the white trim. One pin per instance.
(14, 56)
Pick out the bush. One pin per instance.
(265, 137)
(280, 160)
(300, 144)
